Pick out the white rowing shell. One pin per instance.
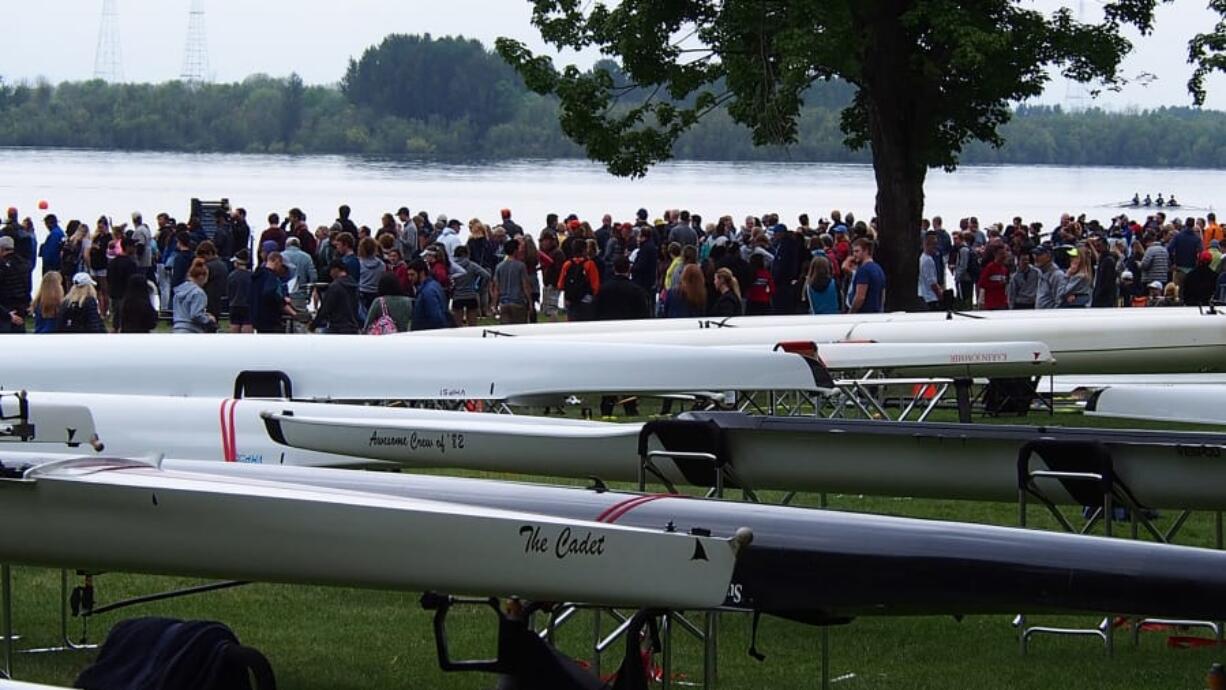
(113, 515)
(203, 428)
(942, 461)
(381, 368)
(571, 328)
(1185, 403)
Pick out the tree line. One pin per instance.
(452, 99)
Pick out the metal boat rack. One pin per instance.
(714, 461)
(15, 426)
(1086, 470)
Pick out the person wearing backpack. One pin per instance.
(579, 282)
(391, 312)
(80, 313)
(966, 268)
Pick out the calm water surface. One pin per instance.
(85, 184)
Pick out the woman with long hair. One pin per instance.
(729, 301)
(532, 261)
(48, 301)
(689, 297)
(1079, 283)
(138, 314)
(820, 287)
(372, 268)
(80, 312)
(190, 302)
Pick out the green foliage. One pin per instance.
(418, 78)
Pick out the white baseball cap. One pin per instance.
(82, 279)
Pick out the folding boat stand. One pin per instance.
(84, 610)
(716, 464)
(1087, 472)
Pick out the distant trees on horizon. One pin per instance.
(451, 98)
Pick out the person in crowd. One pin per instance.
(621, 298)
(138, 314)
(181, 260)
(1106, 292)
(81, 312)
(73, 250)
(267, 300)
(430, 308)
(821, 290)
(964, 264)
(1200, 286)
(729, 302)
(120, 268)
(371, 269)
(338, 310)
(303, 272)
(47, 302)
(392, 310)
(1183, 250)
(1079, 280)
(238, 287)
(579, 283)
(467, 287)
(1051, 279)
(1023, 288)
(551, 259)
(758, 300)
(689, 297)
(531, 257)
(14, 287)
(1156, 264)
(1170, 296)
(99, 261)
(511, 287)
(50, 252)
(274, 233)
(512, 228)
(190, 302)
(930, 289)
(868, 286)
(994, 278)
(785, 269)
(215, 286)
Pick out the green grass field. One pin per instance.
(322, 638)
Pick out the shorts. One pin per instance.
(549, 301)
(466, 303)
(240, 316)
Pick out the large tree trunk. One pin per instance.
(896, 127)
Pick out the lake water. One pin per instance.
(86, 184)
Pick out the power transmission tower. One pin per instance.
(1076, 94)
(108, 59)
(196, 56)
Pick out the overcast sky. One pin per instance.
(56, 39)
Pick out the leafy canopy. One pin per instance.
(420, 77)
(930, 75)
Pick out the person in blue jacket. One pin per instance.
(430, 309)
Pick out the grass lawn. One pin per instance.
(326, 638)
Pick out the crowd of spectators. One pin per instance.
(412, 272)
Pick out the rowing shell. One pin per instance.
(944, 461)
(368, 368)
(1187, 403)
(567, 329)
(136, 517)
(816, 565)
(202, 428)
